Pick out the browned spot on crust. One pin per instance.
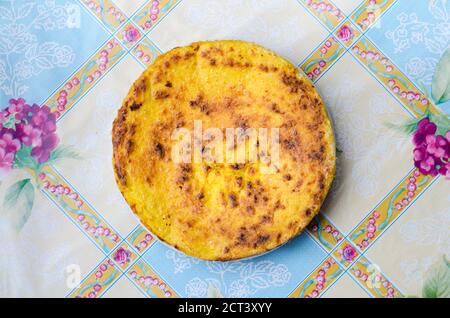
(287, 177)
(292, 225)
(243, 236)
(293, 83)
(157, 77)
(321, 181)
(233, 63)
(175, 58)
(239, 181)
(135, 106)
(230, 102)
(159, 149)
(161, 94)
(297, 186)
(237, 166)
(120, 172)
(279, 206)
(188, 55)
(241, 122)
(263, 68)
(290, 144)
(316, 155)
(274, 107)
(139, 86)
(168, 84)
(266, 219)
(261, 239)
(183, 175)
(200, 104)
(233, 200)
(119, 128)
(223, 201)
(129, 146)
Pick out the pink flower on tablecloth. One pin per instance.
(131, 34)
(42, 153)
(8, 148)
(432, 151)
(16, 105)
(424, 128)
(446, 171)
(349, 253)
(437, 146)
(121, 256)
(345, 33)
(9, 143)
(6, 159)
(30, 136)
(26, 125)
(3, 116)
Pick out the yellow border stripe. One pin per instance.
(90, 73)
(400, 198)
(146, 52)
(376, 283)
(150, 282)
(107, 12)
(324, 232)
(316, 282)
(153, 12)
(318, 62)
(98, 281)
(140, 239)
(76, 209)
(325, 11)
(397, 82)
(369, 11)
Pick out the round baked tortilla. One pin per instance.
(215, 210)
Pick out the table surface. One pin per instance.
(385, 224)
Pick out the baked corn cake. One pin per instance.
(200, 198)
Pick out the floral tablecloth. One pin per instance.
(382, 67)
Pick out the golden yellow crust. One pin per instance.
(219, 211)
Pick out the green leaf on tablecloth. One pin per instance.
(437, 281)
(440, 86)
(408, 127)
(24, 159)
(213, 292)
(62, 152)
(442, 122)
(18, 202)
(10, 122)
